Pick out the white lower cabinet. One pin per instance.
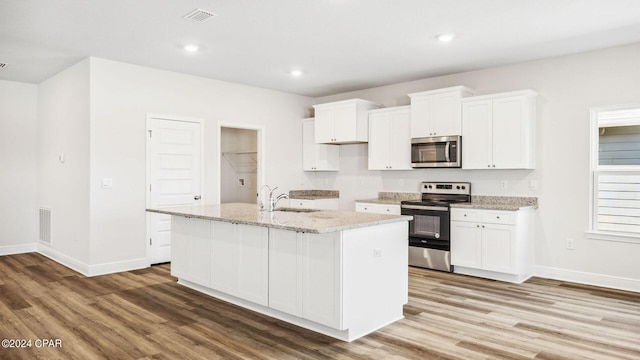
(304, 275)
(390, 209)
(191, 243)
(496, 243)
(239, 260)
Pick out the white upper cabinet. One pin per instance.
(343, 122)
(437, 112)
(390, 139)
(498, 131)
(317, 157)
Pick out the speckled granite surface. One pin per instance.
(392, 198)
(313, 222)
(499, 202)
(314, 194)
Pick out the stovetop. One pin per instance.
(442, 194)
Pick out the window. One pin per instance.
(615, 165)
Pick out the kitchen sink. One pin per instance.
(297, 210)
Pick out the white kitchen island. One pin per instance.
(339, 273)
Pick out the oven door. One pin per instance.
(435, 152)
(430, 226)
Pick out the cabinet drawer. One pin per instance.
(498, 217)
(389, 209)
(366, 207)
(302, 204)
(466, 215)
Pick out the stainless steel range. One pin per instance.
(429, 231)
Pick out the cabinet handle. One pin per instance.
(465, 215)
(488, 165)
(483, 226)
(477, 226)
(497, 217)
(494, 165)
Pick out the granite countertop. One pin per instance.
(313, 222)
(314, 194)
(509, 203)
(392, 198)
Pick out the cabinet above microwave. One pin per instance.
(437, 112)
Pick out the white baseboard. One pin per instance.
(18, 249)
(65, 260)
(120, 266)
(92, 270)
(580, 277)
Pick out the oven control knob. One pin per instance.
(463, 187)
(458, 187)
(437, 236)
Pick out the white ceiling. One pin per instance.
(340, 45)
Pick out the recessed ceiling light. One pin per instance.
(296, 73)
(445, 37)
(191, 48)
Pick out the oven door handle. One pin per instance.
(434, 234)
(421, 207)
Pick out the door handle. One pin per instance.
(197, 197)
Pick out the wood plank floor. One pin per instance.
(145, 314)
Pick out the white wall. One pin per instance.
(63, 128)
(568, 86)
(123, 94)
(19, 167)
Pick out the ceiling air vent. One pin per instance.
(199, 15)
(3, 65)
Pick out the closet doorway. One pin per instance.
(240, 159)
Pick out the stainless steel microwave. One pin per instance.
(435, 152)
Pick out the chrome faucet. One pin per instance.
(271, 201)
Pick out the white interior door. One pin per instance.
(174, 161)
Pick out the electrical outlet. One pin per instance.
(401, 182)
(571, 244)
(504, 184)
(377, 252)
(533, 184)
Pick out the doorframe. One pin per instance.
(151, 116)
(260, 133)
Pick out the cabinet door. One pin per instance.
(317, 157)
(399, 140)
(321, 288)
(444, 114)
(379, 141)
(420, 112)
(200, 253)
(181, 229)
(508, 132)
(476, 134)
(344, 122)
(498, 248)
(223, 257)
(309, 146)
(252, 263)
(324, 119)
(285, 271)
(466, 244)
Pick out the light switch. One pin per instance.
(107, 183)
